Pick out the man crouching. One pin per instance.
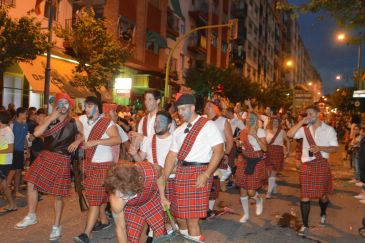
(137, 196)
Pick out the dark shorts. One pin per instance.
(4, 170)
(18, 160)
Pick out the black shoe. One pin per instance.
(149, 240)
(83, 238)
(210, 214)
(99, 226)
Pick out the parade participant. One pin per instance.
(198, 146)
(212, 110)
(137, 197)
(119, 150)
(276, 151)
(50, 172)
(251, 172)
(152, 99)
(299, 145)
(100, 135)
(6, 159)
(319, 140)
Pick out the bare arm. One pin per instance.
(262, 143)
(161, 183)
(73, 146)
(287, 143)
(41, 128)
(229, 137)
(292, 131)
(117, 205)
(169, 163)
(114, 139)
(10, 149)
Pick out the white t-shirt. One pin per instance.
(103, 153)
(324, 135)
(220, 122)
(122, 134)
(162, 148)
(236, 123)
(150, 125)
(279, 139)
(255, 145)
(208, 137)
(6, 138)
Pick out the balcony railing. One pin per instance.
(7, 2)
(172, 23)
(198, 43)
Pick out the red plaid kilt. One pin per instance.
(189, 201)
(216, 187)
(170, 188)
(275, 157)
(51, 173)
(298, 149)
(250, 182)
(95, 174)
(315, 179)
(223, 164)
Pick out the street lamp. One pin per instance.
(289, 63)
(341, 37)
(338, 77)
(310, 83)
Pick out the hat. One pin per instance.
(65, 96)
(94, 100)
(186, 99)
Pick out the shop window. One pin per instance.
(12, 91)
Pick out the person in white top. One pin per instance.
(198, 146)
(6, 159)
(319, 140)
(223, 172)
(276, 151)
(118, 150)
(100, 135)
(236, 122)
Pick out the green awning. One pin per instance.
(176, 6)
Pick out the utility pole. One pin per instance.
(48, 65)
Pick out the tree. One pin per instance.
(342, 99)
(348, 14)
(100, 56)
(21, 40)
(276, 97)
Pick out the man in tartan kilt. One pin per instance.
(137, 196)
(100, 135)
(213, 111)
(319, 140)
(277, 151)
(251, 169)
(50, 172)
(198, 147)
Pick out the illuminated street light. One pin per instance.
(319, 93)
(338, 89)
(338, 77)
(310, 83)
(289, 63)
(341, 37)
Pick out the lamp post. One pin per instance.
(48, 64)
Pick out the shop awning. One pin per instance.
(61, 76)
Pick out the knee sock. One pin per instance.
(244, 201)
(271, 185)
(323, 206)
(211, 204)
(305, 208)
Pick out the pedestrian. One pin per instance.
(278, 147)
(319, 140)
(136, 197)
(20, 130)
(361, 161)
(50, 172)
(6, 159)
(198, 146)
(100, 135)
(251, 171)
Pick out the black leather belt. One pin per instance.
(186, 163)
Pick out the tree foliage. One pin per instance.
(342, 99)
(276, 97)
(100, 56)
(348, 14)
(20, 39)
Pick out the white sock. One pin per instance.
(195, 237)
(211, 204)
(31, 215)
(271, 184)
(244, 201)
(184, 232)
(259, 204)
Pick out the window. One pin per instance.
(13, 90)
(152, 46)
(214, 39)
(47, 11)
(125, 29)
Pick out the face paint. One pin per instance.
(252, 120)
(185, 112)
(94, 111)
(63, 106)
(161, 125)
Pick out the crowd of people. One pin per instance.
(142, 163)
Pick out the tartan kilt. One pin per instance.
(250, 182)
(95, 174)
(216, 187)
(275, 157)
(315, 179)
(188, 201)
(150, 212)
(170, 188)
(223, 164)
(51, 173)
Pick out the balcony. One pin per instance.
(198, 44)
(172, 24)
(200, 10)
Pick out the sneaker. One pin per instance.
(361, 196)
(244, 219)
(55, 233)
(359, 184)
(304, 231)
(199, 238)
(27, 221)
(323, 220)
(259, 206)
(83, 238)
(100, 226)
(268, 196)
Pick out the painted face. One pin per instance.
(161, 125)
(185, 112)
(63, 106)
(275, 123)
(313, 115)
(252, 120)
(150, 102)
(90, 110)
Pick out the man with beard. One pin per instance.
(319, 140)
(50, 172)
(212, 110)
(198, 147)
(100, 135)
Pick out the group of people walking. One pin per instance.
(178, 168)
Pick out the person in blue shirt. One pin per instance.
(20, 130)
